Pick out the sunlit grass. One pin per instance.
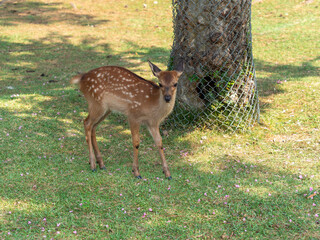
(20, 205)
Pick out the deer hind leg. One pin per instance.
(154, 130)
(90, 124)
(96, 150)
(135, 127)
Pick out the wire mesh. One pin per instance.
(218, 87)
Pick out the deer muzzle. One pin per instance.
(167, 98)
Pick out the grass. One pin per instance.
(255, 185)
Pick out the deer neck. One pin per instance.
(165, 108)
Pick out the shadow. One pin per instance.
(140, 54)
(192, 196)
(14, 13)
(154, 52)
(57, 183)
(288, 72)
(35, 80)
(283, 72)
(278, 74)
(43, 115)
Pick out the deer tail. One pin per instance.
(76, 79)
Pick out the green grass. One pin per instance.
(255, 185)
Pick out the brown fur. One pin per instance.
(117, 89)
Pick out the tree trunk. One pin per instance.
(213, 38)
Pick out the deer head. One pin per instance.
(168, 80)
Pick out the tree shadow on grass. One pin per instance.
(35, 78)
(57, 184)
(279, 73)
(190, 201)
(13, 13)
(287, 71)
(282, 72)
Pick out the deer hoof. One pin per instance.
(139, 177)
(169, 178)
(94, 170)
(103, 168)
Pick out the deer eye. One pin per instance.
(160, 85)
(175, 85)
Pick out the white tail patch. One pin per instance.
(76, 79)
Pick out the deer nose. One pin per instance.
(167, 98)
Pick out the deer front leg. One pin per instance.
(134, 126)
(154, 130)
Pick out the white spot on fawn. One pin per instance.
(147, 96)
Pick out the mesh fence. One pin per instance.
(218, 87)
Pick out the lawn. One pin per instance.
(260, 184)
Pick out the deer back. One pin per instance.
(119, 89)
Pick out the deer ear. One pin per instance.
(155, 70)
(179, 68)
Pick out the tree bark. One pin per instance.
(213, 39)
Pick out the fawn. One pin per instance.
(112, 88)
